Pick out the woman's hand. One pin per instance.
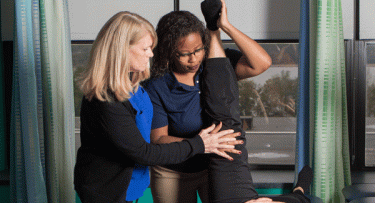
(223, 21)
(217, 141)
(234, 151)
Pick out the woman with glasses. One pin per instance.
(185, 50)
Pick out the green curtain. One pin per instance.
(42, 123)
(3, 152)
(330, 140)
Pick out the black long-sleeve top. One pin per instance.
(112, 144)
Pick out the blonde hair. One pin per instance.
(108, 72)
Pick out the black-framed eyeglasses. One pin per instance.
(187, 55)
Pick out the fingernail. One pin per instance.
(239, 152)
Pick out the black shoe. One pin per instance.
(211, 11)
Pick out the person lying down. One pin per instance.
(305, 177)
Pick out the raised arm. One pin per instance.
(255, 59)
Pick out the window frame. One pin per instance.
(357, 104)
(355, 51)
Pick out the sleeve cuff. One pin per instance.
(196, 144)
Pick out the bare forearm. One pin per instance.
(216, 48)
(160, 136)
(257, 58)
(166, 139)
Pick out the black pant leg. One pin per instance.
(220, 94)
(230, 181)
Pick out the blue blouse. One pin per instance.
(140, 179)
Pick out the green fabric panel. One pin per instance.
(57, 73)
(331, 149)
(42, 128)
(49, 111)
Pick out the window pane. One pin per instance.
(370, 106)
(268, 107)
(80, 56)
(267, 103)
(80, 53)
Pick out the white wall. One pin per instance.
(88, 16)
(348, 18)
(260, 19)
(367, 16)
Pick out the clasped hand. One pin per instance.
(220, 142)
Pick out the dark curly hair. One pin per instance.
(170, 29)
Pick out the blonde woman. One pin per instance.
(116, 115)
